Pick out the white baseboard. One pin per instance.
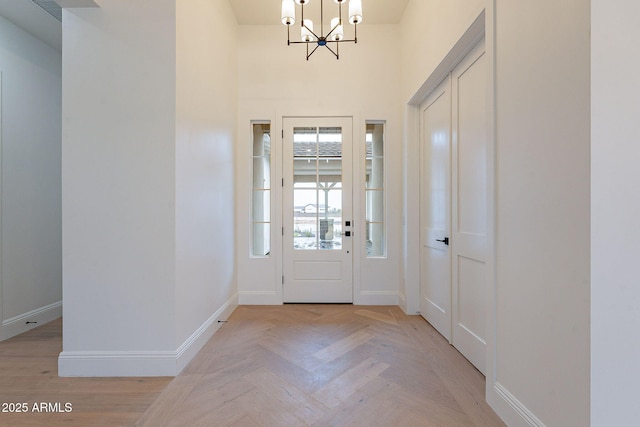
(259, 298)
(18, 324)
(510, 409)
(143, 363)
(377, 298)
(117, 364)
(364, 298)
(199, 338)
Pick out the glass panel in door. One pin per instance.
(317, 188)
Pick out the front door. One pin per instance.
(317, 205)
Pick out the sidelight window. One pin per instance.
(261, 190)
(375, 190)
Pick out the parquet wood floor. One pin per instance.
(325, 365)
(29, 374)
(291, 365)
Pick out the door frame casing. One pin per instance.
(474, 34)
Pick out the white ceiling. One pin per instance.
(267, 12)
(27, 15)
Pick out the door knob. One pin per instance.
(445, 241)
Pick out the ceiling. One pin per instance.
(34, 19)
(267, 12)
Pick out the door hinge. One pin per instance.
(283, 279)
(283, 182)
(283, 231)
(282, 130)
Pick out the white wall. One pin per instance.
(118, 180)
(275, 80)
(615, 209)
(149, 120)
(31, 265)
(541, 355)
(543, 173)
(205, 131)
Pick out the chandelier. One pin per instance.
(317, 38)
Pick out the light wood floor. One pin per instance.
(292, 365)
(29, 374)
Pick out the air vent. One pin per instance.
(51, 7)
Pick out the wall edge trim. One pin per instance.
(463, 46)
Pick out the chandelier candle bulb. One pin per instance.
(288, 12)
(338, 30)
(355, 11)
(307, 30)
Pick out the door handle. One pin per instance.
(445, 241)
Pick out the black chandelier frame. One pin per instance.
(322, 39)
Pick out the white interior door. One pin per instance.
(317, 209)
(435, 264)
(469, 207)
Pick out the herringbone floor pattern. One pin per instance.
(292, 365)
(29, 375)
(324, 365)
